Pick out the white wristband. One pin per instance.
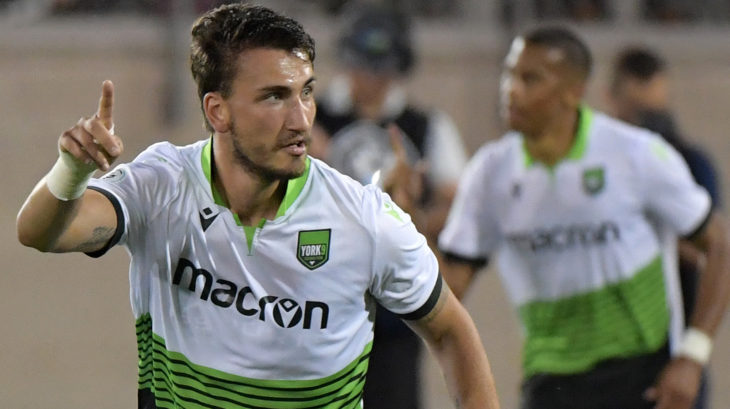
(68, 178)
(695, 345)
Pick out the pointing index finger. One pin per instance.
(396, 143)
(105, 104)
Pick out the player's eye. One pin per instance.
(273, 96)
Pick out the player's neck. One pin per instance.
(247, 194)
(552, 143)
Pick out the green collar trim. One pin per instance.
(294, 187)
(206, 161)
(585, 118)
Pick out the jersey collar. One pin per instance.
(585, 117)
(293, 188)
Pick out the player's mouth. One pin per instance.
(296, 147)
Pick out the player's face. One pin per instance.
(533, 87)
(632, 96)
(271, 111)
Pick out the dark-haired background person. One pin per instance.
(579, 210)
(639, 93)
(255, 269)
(376, 55)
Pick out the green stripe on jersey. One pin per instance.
(572, 334)
(177, 382)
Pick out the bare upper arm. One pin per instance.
(447, 315)
(712, 232)
(91, 228)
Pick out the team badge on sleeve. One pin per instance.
(313, 247)
(593, 180)
(115, 176)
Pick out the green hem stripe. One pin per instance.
(172, 378)
(572, 334)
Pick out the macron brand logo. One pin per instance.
(559, 238)
(207, 217)
(284, 312)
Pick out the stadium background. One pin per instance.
(67, 338)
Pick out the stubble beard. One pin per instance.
(264, 172)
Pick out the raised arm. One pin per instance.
(60, 214)
(452, 337)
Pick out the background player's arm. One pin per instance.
(677, 386)
(453, 339)
(458, 274)
(714, 288)
(74, 223)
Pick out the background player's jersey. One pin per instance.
(580, 245)
(278, 315)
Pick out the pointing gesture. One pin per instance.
(405, 181)
(105, 104)
(91, 143)
(87, 146)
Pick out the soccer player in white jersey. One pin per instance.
(255, 270)
(579, 210)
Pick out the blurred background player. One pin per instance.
(376, 54)
(639, 93)
(571, 201)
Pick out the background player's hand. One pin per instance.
(91, 144)
(404, 182)
(677, 385)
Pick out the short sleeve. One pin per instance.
(471, 232)
(669, 190)
(137, 190)
(406, 277)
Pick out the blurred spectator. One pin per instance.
(639, 94)
(376, 53)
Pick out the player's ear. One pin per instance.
(217, 112)
(573, 95)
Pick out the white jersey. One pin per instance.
(278, 315)
(581, 247)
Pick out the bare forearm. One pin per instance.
(49, 224)
(44, 218)
(714, 290)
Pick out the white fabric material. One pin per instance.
(445, 150)
(375, 254)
